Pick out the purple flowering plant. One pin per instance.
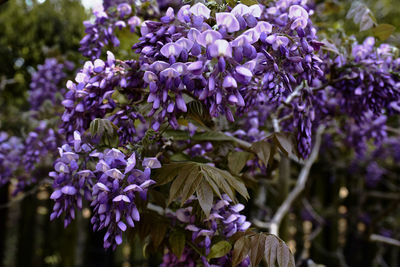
(185, 132)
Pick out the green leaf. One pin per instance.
(240, 250)
(177, 186)
(189, 177)
(277, 250)
(158, 233)
(179, 157)
(190, 186)
(212, 136)
(239, 186)
(213, 185)
(94, 127)
(329, 46)
(231, 3)
(225, 180)
(249, 2)
(257, 247)
(177, 242)
(165, 174)
(177, 135)
(383, 31)
(205, 197)
(220, 181)
(106, 130)
(219, 249)
(271, 245)
(285, 143)
(198, 114)
(237, 160)
(262, 150)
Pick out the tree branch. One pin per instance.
(384, 239)
(273, 226)
(22, 196)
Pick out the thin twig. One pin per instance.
(290, 97)
(160, 210)
(22, 196)
(384, 239)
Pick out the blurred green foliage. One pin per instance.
(330, 17)
(31, 31)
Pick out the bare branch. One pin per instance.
(299, 187)
(22, 196)
(158, 209)
(384, 239)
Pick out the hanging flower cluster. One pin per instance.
(108, 179)
(72, 181)
(45, 84)
(91, 95)
(224, 221)
(10, 151)
(368, 82)
(114, 194)
(116, 15)
(39, 146)
(225, 61)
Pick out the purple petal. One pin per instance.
(131, 163)
(135, 214)
(229, 81)
(159, 66)
(208, 37)
(147, 183)
(200, 10)
(122, 226)
(170, 73)
(263, 27)
(56, 194)
(221, 48)
(185, 43)
(152, 163)
(184, 14)
(180, 103)
(114, 173)
(118, 239)
(68, 190)
(244, 71)
(133, 187)
(102, 187)
(237, 208)
(61, 167)
(171, 49)
(297, 11)
(240, 10)
(149, 77)
(121, 198)
(228, 20)
(102, 166)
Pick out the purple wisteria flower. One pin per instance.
(90, 96)
(114, 194)
(45, 84)
(228, 63)
(102, 31)
(224, 221)
(188, 259)
(71, 183)
(370, 86)
(39, 147)
(109, 179)
(10, 156)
